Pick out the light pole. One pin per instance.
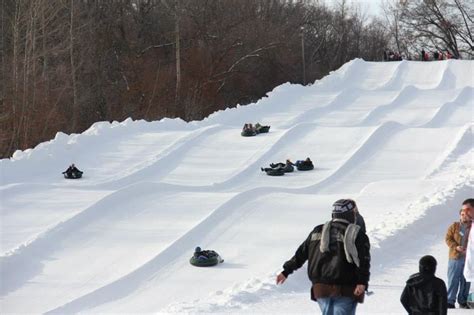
(302, 55)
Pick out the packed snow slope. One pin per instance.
(397, 137)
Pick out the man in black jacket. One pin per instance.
(72, 171)
(424, 293)
(338, 255)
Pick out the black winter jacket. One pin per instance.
(360, 222)
(332, 267)
(425, 294)
(71, 170)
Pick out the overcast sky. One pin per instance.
(372, 6)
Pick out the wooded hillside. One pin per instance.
(66, 64)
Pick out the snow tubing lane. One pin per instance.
(205, 262)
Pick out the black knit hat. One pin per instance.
(344, 209)
(428, 265)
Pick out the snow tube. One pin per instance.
(275, 172)
(74, 175)
(288, 168)
(248, 133)
(305, 167)
(203, 261)
(263, 129)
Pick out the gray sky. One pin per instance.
(372, 6)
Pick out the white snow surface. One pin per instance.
(397, 137)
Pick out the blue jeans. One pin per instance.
(457, 281)
(340, 305)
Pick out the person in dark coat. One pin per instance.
(261, 129)
(338, 255)
(205, 258)
(288, 166)
(203, 254)
(248, 130)
(306, 162)
(424, 293)
(359, 218)
(304, 165)
(72, 170)
(276, 169)
(277, 165)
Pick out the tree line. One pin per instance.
(432, 25)
(66, 64)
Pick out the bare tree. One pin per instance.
(439, 25)
(463, 23)
(178, 50)
(69, 63)
(392, 14)
(73, 66)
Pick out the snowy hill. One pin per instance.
(397, 137)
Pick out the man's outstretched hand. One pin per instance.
(359, 289)
(280, 278)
